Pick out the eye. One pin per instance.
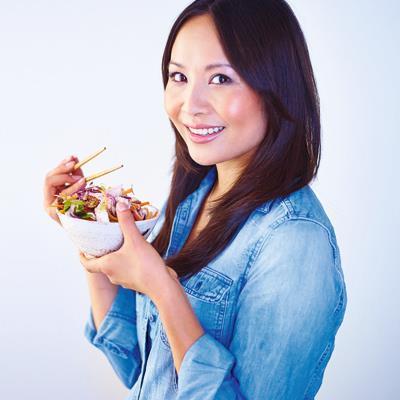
(172, 75)
(224, 78)
(227, 80)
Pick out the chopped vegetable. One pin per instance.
(98, 203)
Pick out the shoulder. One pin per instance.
(296, 244)
(295, 229)
(302, 203)
(296, 215)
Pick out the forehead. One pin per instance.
(198, 40)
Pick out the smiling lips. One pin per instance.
(203, 130)
(204, 135)
(206, 131)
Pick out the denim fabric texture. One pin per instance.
(270, 304)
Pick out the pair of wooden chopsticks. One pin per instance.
(98, 174)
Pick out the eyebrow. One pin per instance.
(208, 67)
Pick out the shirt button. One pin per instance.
(151, 318)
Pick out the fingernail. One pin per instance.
(69, 164)
(122, 205)
(76, 177)
(81, 180)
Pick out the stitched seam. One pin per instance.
(176, 219)
(259, 245)
(340, 304)
(288, 205)
(317, 370)
(111, 346)
(208, 299)
(216, 274)
(121, 316)
(299, 218)
(221, 329)
(163, 335)
(224, 281)
(335, 258)
(263, 240)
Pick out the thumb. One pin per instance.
(127, 221)
(75, 187)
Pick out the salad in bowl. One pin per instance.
(89, 216)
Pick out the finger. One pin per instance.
(76, 160)
(74, 187)
(79, 170)
(127, 222)
(66, 167)
(51, 188)
(88, 256)
(90, 264)
(76, 173)
(53, 191)
(55, 185)
(172, 272)
(58, 180)
(66, 159)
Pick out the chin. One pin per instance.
(203, 159)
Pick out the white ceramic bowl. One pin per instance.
(97, 239)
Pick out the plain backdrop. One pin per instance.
(79, 75)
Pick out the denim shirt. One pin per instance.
(270, 305)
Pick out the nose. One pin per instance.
(195, 99)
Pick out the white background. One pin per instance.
(78, 75)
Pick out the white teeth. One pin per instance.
(206, 131)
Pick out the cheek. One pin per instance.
(234, 109)
(172, 108)
(242, 108)
(244, 114)
(170, 105)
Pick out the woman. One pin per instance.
(238, 292)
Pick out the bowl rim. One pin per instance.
(113, 223)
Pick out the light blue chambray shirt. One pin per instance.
(270, 304)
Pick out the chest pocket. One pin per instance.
(208, 292)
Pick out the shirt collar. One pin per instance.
(208, 180)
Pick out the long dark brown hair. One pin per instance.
(264, 43)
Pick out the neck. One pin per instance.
(227, 175)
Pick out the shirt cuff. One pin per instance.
(117, 332)
(205, 358)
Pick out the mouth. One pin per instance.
(204, 135)
(209, 131)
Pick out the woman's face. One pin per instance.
(198, 94)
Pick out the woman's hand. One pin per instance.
(136, 265)
(54, 184)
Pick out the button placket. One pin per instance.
(153, 312)
(146, 355)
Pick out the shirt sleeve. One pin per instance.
(287, 316)
(117, 336)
